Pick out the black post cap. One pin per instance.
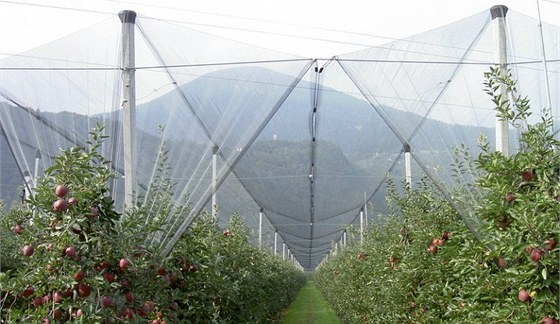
(498, 11)
(127, 16)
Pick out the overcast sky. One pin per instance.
(309, 28)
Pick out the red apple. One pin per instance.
(445, 236)
(67, 293)
(128, 313)
(439, 242)
(47, 299)
(124, 263)
(60, 205)
(60, 190)
(124, 282)
(109, 276)
(84, 290)
(156, 321)
(129, 297)
(70, 251)
(27, 250)
(501, 263)
(503, 223)
(72, 201)
(162, 271)
(432, 249)
(550, 244)
(93, 212)
(523, 295)
(18, 229)
(143, 311)
(536, 254)
(37, 301)
(528, 175)
(549, 320)
(27, 292)
(57, 297)
(106, 301)
(79, 312)
(174, 306)
(79, 276)
(57, 314)
(510, 197)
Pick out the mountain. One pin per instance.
(220, 100)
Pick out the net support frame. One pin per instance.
(128, 19)
(499, 20)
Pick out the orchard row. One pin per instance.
(422, 264)
(68, 256)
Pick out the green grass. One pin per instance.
(309, 307)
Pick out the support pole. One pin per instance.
(283, 251)
(362, 226)
(28, 184)
(275, 242)
(36, 170)
(128, 19)
(260, 227)
(499, 18)
(344, 238)
(365, 209)
(546, 81)
(214, 181)
(407, 165)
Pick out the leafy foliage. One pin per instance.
(422, 265)
(74, 258)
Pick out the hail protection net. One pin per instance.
(308, 145)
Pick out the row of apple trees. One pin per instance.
(421, 264)
(69, 256)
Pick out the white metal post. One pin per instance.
(499, 18)
(344, 238)
(362, 226)
(283, 251)
(128, 19)
(28, 184)
(36, 170)
(214, 181)
(260, 227)
(275, 242)
(407, 165)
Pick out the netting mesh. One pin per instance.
(311, 143)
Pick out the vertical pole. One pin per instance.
(365, 209)
(275, 242)
(546, 81)
(283, 251)
(407, 164)
(260, 227)
(362, 226)
(28, 184)
(128, 19)
(499, 17)
(344, 238)
(214, 181)
(36, 170)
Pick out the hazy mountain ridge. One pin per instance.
(221, 88)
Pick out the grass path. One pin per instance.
(309, 307)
